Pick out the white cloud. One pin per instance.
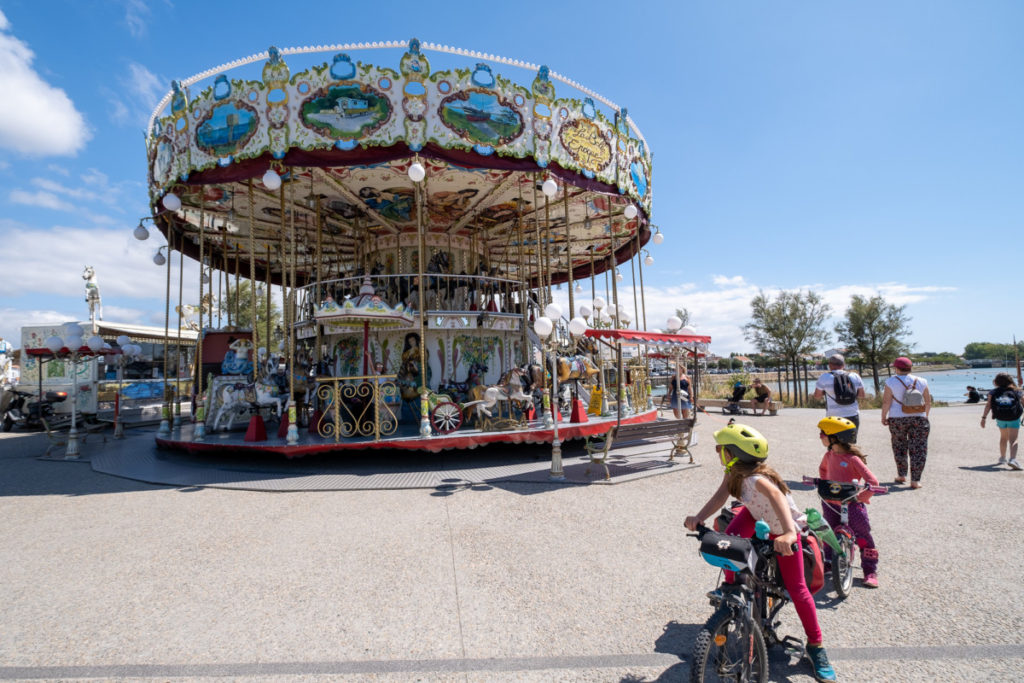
(36, 119)
(58, 169)
(13, 319)
(41, 198)
(4, 24)
(136, 14)
(140, 92)
(723, 281)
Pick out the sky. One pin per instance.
(845, 148)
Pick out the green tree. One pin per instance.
(241, 316)
(789, 327)
(979, 350)
(876, 330)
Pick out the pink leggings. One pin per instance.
(792, 569)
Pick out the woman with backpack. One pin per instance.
(906, 403)
(1006, 404)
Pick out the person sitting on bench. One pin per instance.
(762, 396)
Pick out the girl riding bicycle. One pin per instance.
(844, 462)
(743, 451)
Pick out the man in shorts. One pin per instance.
(762, 396)
(826, 387)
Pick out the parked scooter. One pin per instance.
(16, 410)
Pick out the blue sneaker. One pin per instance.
(823, 671)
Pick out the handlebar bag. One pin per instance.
(835, 490)
(728, 552)
(727, 515)
(814, 564)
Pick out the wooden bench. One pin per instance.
(773, 406)
(679, 432)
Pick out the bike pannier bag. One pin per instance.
(728, 552)
(814, 565)
(845, 393)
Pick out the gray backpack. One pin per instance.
(913, 399)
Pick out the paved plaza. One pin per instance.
(482, 577)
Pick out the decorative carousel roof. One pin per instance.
(343, 135)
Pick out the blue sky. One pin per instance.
(841, 147)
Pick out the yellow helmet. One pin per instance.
(838, 429)
(743, 443)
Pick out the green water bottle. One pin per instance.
(821, 529)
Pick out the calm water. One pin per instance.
(948, 385)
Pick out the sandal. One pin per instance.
(900, 480)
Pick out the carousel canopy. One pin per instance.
(651, 338)
(330, 166)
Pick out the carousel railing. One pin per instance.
(442, 293)
(357, 406)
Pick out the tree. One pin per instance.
(242, 316)
(875, 329)
(789, 327)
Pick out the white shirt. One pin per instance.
(826, 382)
(898, 385)
(760, 506)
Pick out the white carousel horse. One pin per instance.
(92, 293)
(509, 388)
(236, 397)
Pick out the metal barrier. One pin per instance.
(357, 406)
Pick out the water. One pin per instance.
(946, 385)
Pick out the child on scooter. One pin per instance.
(844, 462)
(743, 451)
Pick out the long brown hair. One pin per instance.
(1004, 380)
(741, 470)
(850, 448)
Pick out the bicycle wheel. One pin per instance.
(726, 649)
(842, 566)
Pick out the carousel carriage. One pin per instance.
(459, 197)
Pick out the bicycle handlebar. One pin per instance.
(767, 544)
(863, 486)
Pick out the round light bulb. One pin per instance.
(141, 234)
(171, 201)
(159, 258)
(673, 324)
(658, 238)
(577, 326)
(689, 329)
(578, 290)
(417, 173)
(553, 311)
(74, 343)
(630, 211)
(543, 326)
(123, 340)
(549, 188)
(71, 329)
(599, 303)
(585, 311)
(618, 275)
(649, 260)
(95, 343)
(54, 343)
(271, 180)
(625, 317)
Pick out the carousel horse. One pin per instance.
(575, 368)
(92, 293)
(237, 398)
(438, 264)
(461, 390)
(509, 388)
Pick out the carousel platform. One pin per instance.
(407, 437)
(492, 464)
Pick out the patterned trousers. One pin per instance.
(909, 438)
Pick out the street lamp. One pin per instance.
(129, 352)
(543, 326)
(71, 339)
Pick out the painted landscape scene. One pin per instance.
(481, 117)
(346, 112)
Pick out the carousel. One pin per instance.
(459, 255)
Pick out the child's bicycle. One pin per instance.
(733, 644)
(841, 494)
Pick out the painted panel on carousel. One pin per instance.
(481, 117)
(346, 112)
(227, 128)
(585, 143)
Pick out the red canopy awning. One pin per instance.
(645, 337)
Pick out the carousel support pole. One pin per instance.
(424, 397)
(541, 302)
(643, 311)
(252, 280)
(568, 252)
(292, 437)
(165, 410)
(614, 267)
(177, 342)
(72, 452)
(199, 433)
(524, 284)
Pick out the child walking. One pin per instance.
(844, 462)
(764, 495)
